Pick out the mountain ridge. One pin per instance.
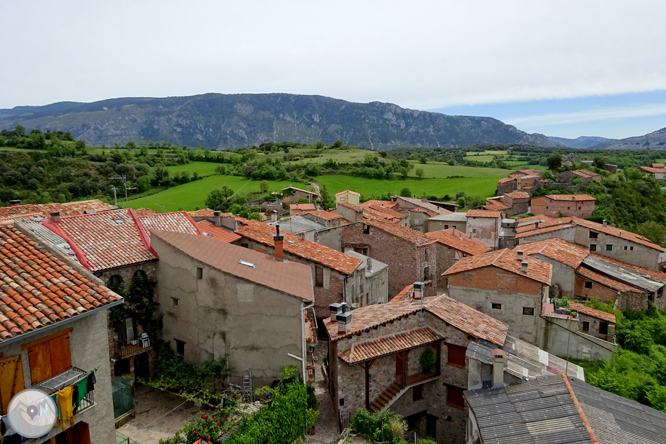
(656, 140)
(581, 141)
(224, 121)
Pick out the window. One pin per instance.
(426, 273)
(529, 311)
(588, 284)
(593, 234)
(593, 247)
(431, 426)
(446, 227)
(603, 328)
(115, 281)
(366, 229)
(11, 380)
(496, 306)
(454, 397)
(609, 247)
(425, 254)
(49, 356)
(417, 393)
(199, 273)
(474, 230)
(586, 327)
(180, 347)
(631, 248)
(319, 276)
(625, 248)
(174, 302)
(456, 356)
(568, 208)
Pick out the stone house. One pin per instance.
(453, 245)
(221, 299)
(375, 361)
(299, 209)
(293, 194)
(335, 275)
(484, 226)
(603, 239)
(594, 322)
(656, 170)
(522, 180)
(386, 210)
(53, 336)
(559, 410)
(503, 284)
(410, 254)
(374, 288)
(446, 221)
(556, 205)
(587, 176)
(348, 196)
(518, 202)
(405, 204)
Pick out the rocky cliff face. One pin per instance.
(655, 140)
(231, 121)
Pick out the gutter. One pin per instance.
(58, 324)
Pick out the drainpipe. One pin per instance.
(304, 352)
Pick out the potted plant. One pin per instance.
(574, 314)
(428, 360)
(311, 417)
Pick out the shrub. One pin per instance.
(428, 360)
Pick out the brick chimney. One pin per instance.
(278, 240)
(344, 320)
(55, 216)
(218, 219)
(335, 308)
(499, 356)
(302, 234)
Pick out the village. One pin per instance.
(463, 323)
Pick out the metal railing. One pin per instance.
(126, 349)
(65, 379)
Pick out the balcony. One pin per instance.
(126, 349)
(73, 377)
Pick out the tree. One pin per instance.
(219, 199)
(419, 173)
(406, 192)
(599, 162)
(320, 145)
(337, 143)
(263, 186)
(20, 130)
(654, 231)
(327, 200)
(554, 162)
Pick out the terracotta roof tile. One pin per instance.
(104, 240)
(300, 189)
(506, 259)
(460, 241)
(405, 294)
(287, 277)
(348, 191)
(518, 195)
(580, 308)
(495, 205)
(180, 222)
(325, 215)
(222, 234)
(617, 232)
(607, 281)
(505, 180)
(385, 212)
(379, 203)
(65, 209)
(38, 289)
(356, 208)
(483, 213)
(387, 345)
(302, 207)
(144, 212)
(206, 212)
(570, 197)
(262, 233)
(585, 173)
(653, 170)
(397, 230)
(557, 249)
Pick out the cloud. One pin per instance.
(589, 115)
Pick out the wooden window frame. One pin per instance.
(452, 401)
(456, 363)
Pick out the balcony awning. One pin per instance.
(389, 345)
(64, 379)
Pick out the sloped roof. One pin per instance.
(388, 345)
(262, 233)
(302, 207)
(461, 316)
(580, 308)
(287, 277)
(557, 249)
(415, 237)
(506, 179)
(180, 222)
(483, 213)
(507, 260)
(422, 204)
(38, 289)
(545, 227)
(585, 173)
(144, 212)
(205, 212)
(222, 234)
(325, 215)
(300, 189)
(379, 203)
(495, 205)
(655, 274)
(65, 209)
(570, 197)
(607, 281)
(348, 191)
(104, 240)
(518, 195)
(458, 240)
(653, 170)
(617, 232)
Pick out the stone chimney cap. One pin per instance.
(216, 213)
(335, 306)
(345, 317)
(498, 352)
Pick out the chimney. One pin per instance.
(605, 222)
(418, 290)
(14, 202)
(536, 225)
(274, 215)
(524, 264)
(453, 230)
(335, 308)
(229, 222)
(369, 263)
(344, 320)
(218, 219)
(520, 255)
(499, 356)
(302, 234)
(55, 216)
(278, 240)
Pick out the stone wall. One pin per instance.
(127, 273)
(562, 337)
(622, 249)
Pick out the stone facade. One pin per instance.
(128, 272)
(556, 208)
(485, 229)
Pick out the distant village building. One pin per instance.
(522, 180)
(656, 170)
(374, 288)
(446, 221)
(387, 210)
(293, 194)
(298, 209)
(557, 205)
(511, 204)
(409, 203)
(348, 196)
(484, 226)
(587, 176)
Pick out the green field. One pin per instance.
(442, 170)
(192, 195)
(203, 169)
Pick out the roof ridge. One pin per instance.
(586, 423)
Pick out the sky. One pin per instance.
(561, 68)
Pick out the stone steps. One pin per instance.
(385, 398)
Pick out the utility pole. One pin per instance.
(115, 198)
(124, 179)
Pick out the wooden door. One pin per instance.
(11, 380)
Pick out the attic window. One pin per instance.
(248, 264)
(529, 311)
(366, 229)
(118, 220)
(593, 235)
(588, 284)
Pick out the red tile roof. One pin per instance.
(507, 260)
(495, 205)
(585, 173)
(144, 212)
(325, 215)
(461, 316)
(206, 212)
(348, 191)
(65, 209)
(657, 165)
(310, 251)
(105, 240)
(38, 289)
(653, 170)
(518, 195)
(287, 277)
(387, 345)
(379, 203)
(300, 189)
(383, 209)
(415, 237)
(580, 308)
(483, 213)
(302, 207)
(405, 294)
(458, 240)
(546, 227)
(617, 232)
(180, 222)
(505, 180)
(571, 255)
(607, 281)
(222, 234)
(570, 197)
